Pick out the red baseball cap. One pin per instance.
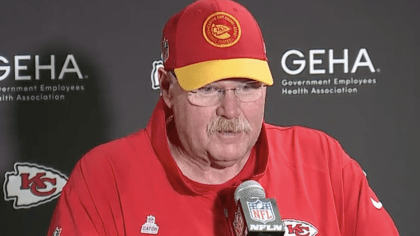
(210, 40)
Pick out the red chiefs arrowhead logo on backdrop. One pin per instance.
(299, 228)
(31, 185)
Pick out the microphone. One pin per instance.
(255, 214)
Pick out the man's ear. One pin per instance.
(165, 83)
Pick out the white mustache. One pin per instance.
(220, 124)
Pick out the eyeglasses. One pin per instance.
(211, 95)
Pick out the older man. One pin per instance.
(206, 136)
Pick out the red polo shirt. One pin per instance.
(132, 186)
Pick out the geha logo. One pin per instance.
(20, 65)
(299, 228)
(35, 78)
(317, 66)
(31, 185)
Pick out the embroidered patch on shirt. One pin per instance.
(150, 227)
(57, 231)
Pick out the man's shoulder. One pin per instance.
(121, 144)
(120, 149)
(121, 160)
(298, 133)
(309, 147)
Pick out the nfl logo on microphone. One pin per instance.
(261, 211)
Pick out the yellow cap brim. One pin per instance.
(197, 75)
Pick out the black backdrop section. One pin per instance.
(113, 45)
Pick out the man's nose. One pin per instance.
(229, 105)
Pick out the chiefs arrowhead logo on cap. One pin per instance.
(221, 29)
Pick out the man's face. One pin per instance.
(222, 149)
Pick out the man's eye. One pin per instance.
(208, 90)
(246, 88)
(250, 86)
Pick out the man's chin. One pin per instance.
(222, 164)
(225, 160)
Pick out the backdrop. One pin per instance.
(74, 74)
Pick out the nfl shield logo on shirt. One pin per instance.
(261, 211)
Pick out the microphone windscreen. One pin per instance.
(249, 189)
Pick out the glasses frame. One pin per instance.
(221, 93)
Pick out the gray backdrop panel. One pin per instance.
(115, 43)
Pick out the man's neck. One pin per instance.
(202, 170)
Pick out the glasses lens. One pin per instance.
(249, 92)
(211, 95)
(204, 97)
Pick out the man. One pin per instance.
(205, 137)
